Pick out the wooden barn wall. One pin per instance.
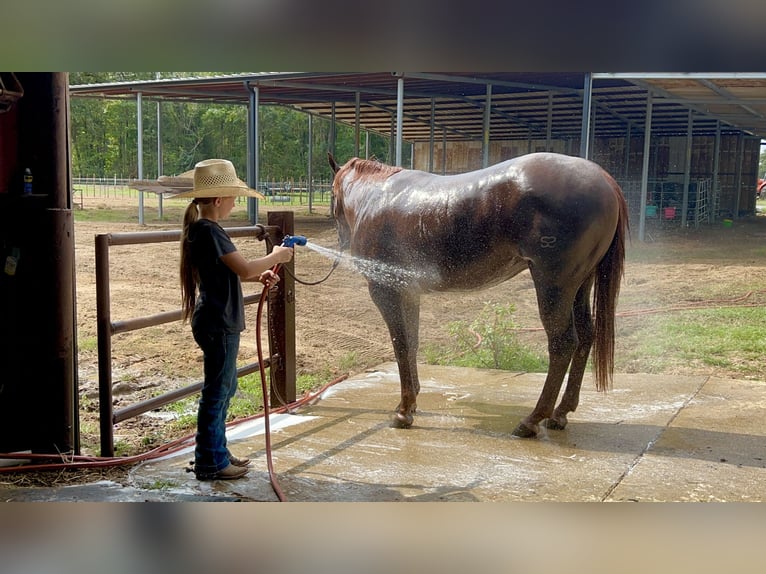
(667, 160)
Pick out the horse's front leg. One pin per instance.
(401, 312)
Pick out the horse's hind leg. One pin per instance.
(401, 312)
(556, 315)
(584, 328)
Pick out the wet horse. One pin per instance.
(563, 218)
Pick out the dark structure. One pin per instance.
(38, 380)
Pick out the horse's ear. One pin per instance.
(333, 164)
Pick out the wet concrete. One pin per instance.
(651, 438)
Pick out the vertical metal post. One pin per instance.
(104, 338)
(399, 117)
(687, 171)
(366, 145)
(140, 138)
(431, 136)
(281, 311)
(485, 131)
(645, 168)
(356, 125)
(310, 167)
(549, 126)
(626, 170)
(159, 149)
(716, 166)
(332, 129)
(738, 184)
(586, 104)
(254, 159)
(392, 140)
(444, 152)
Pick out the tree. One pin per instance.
(105, 135)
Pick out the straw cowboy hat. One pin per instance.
(218, 178)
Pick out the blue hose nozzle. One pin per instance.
(293, 240)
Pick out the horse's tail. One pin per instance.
(609, 274)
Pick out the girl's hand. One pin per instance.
(283, 254)
(269, 278)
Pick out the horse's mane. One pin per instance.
(371, 169)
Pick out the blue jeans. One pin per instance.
(220, 368)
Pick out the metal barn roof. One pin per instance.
(523, 104)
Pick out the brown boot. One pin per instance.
(231, 472)
(236, 461)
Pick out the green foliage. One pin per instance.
(87, 343)
(105, 135)
(489, 341)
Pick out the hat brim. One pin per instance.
(163, 185)
(223, 191)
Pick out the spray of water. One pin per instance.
(377, 271)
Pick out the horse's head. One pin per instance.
(336, 205)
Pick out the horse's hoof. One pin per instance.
(525, 431)
(402, 421)
(556, 424)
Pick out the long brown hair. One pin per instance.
(189, 273)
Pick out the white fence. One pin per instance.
(287, 191)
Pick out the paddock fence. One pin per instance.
(286, 191)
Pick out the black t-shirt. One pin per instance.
(220, 307)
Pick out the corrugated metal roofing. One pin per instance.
(523, 104)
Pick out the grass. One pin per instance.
(248, 400)
(488, 342)
(732, 339)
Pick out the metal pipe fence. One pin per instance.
(277, 191)
(107, 328)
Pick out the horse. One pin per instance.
(563, 218)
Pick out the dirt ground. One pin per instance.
(338, 327)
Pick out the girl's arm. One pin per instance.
(251, 270)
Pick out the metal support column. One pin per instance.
(159, 151)
(586, 104)
(738, 184)
(687, 171)
(626, 169)
(253, 156)
(159, 159)
(309, 168)
(332, 129)
(645, 168)
(713, 211)
(549, 125)
(485, 131)
(444, 152)
(431, 137)
(140, 138)
(399, 116)
(356, 125)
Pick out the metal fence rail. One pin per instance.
(106, 327)
(287, 191)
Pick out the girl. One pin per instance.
(212, 267)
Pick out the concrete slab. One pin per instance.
(652, 438)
